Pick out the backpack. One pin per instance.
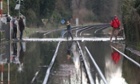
(115, 23)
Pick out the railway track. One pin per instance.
(83, 62)
(86, 65)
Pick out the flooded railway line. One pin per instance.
(46, 62)
(77, 63)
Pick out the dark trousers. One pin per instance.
(69, 34)
(14, 32)
(21, 34)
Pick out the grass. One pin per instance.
(29, 31)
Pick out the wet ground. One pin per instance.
(27, 63)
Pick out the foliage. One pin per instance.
(63, 9)
(34, 10)
(46, 7)
(131, 20)
(104, 9)
(55, 10)
(137, 6)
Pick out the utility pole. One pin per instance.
(8, 7)
(9, 72)
(1, 7)
(19, 6)
(2, 70)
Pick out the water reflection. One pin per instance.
(69, 44)
(21, 60)
(78, 63)
(17, 52)
(68, 71)
(113, 69)
(115, 55)
(76, 56)
(102, 53)
(10, 57)
(5, 53)
(99, 50)
(21, 57)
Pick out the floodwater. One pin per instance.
(27, 63)
(112, 69)
(24, 60)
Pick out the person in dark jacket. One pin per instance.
(115, 24)
(21, 26)
(14, 25)
(7, 18)
(69, 30)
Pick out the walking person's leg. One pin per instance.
(15, 32)
(112, 34)
(116, 33)
(67, 34)
(21, 33)
(71, 35)
(14, 36)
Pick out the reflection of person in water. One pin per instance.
(68, 54)
(68, 51)
(14, 45)
(14, 49)
(115, 56)
(21, 56)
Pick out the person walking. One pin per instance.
(21, 26)
(69, 30)
(115, 24)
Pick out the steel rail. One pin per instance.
(36, 74)
(51, 64)
(85, 30)
(94, 62)
(91, 28)
(86, 66)
(97, 67)
(57, 30)
(81, 29)
(133, 61)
